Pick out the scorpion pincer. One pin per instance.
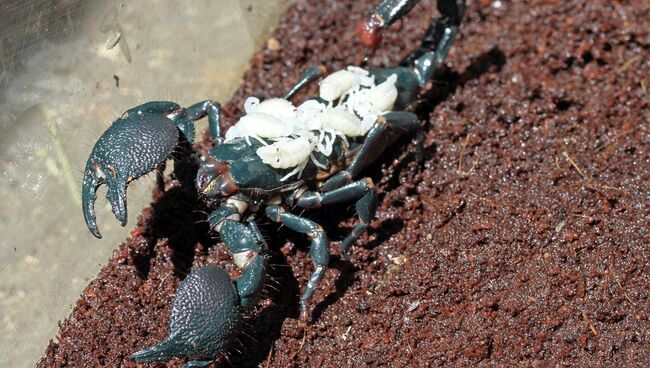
(277, 157)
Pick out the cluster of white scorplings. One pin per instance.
(354, 102)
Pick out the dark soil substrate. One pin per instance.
(522, 238)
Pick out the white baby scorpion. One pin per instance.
(353, 103)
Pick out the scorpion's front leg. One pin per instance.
(142, 139)
(318, 251)
(207, 310)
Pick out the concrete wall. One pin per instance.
(59, 93)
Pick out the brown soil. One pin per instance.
(522, 239)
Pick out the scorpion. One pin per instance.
(277, 157)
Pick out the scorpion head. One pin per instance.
(214, 180)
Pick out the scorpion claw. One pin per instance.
(205, 314)
(117, 198)
(116, 195)
(88, 195)
(130, 148)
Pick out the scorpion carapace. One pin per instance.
(277, 157)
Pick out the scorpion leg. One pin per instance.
(307, 77)
(362, 190)
(318, 251)
(186, 161)
(384, 132)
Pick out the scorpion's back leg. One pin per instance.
(318, 251)
(384, 132)
(362, 190)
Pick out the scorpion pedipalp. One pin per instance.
(133, 145)
(142, 139)
(205, 315)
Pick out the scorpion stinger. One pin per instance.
(437, 40)
(276, 158)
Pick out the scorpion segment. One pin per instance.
(133, 146)
(214, 179)
(204, 318)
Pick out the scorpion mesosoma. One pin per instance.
(276, 157)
